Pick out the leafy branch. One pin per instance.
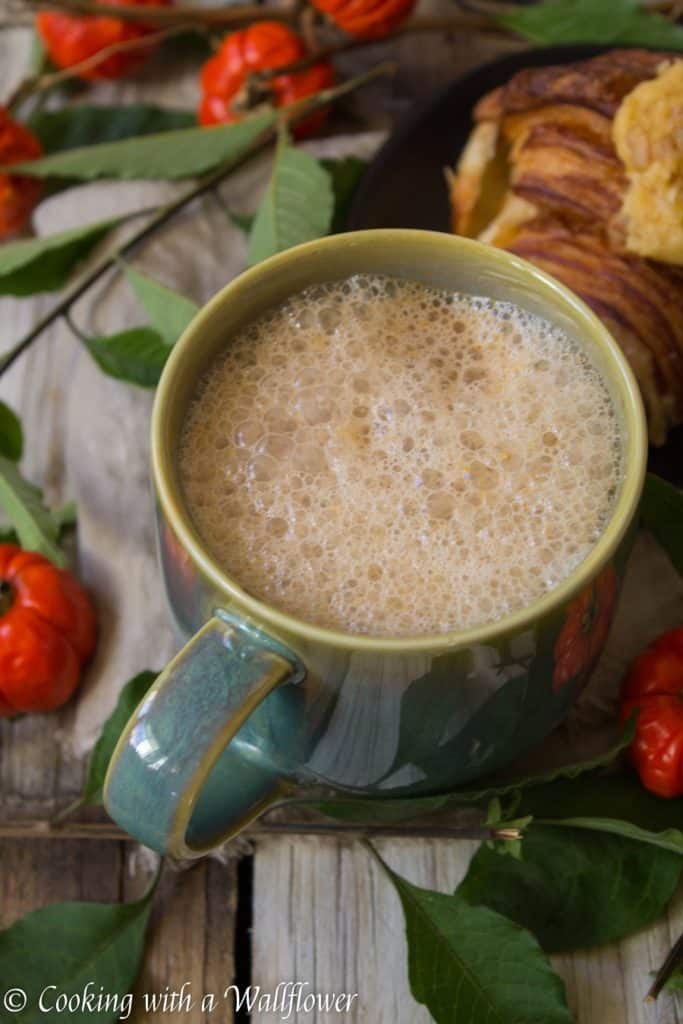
(290, 114)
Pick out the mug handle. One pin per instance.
(178, 781)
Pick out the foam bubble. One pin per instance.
(384, 458)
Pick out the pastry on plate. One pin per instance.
(579, 168)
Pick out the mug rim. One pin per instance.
(634, 454)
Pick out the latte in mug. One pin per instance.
(380, 457)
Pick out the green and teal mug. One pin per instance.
(258, 704)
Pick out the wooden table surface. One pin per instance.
(277, 907)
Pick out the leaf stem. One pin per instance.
(75, 329)
(384, 867)
(674, 958)
(66, 812)
(291, 113)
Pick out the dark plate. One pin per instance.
(404, 186)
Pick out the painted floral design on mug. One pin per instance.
(585, 628)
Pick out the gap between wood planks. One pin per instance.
(109, 831)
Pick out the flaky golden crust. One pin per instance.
(563, 208)
(638, 299)
(600, 84)
(563, 161)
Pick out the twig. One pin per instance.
(382, 831)
(292, 113)
(57, 828)
(672, 961)
(215, 17)
(670, 8)
(487, 8)
(163, 215)
(39, 83)
(241, 14)
(414, 25)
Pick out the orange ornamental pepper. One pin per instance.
(654, 688)
(366, 19)
(18, 195)
(47, 632)
(70, 39)
(261, 46)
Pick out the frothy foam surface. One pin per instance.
(380, 457)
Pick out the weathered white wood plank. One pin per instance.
(190, 943)
(340, 925)
(325, 915)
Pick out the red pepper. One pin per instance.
(654, 687)
(70, 39)
(18, 195)
(366, 19)
(265, 45)
(47, 632)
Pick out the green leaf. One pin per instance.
(73, 127)
(166, 155)
(594, 21)
(617, 804)
(44, 264)
(400, 810)
(243, 221)
(71, 946)
(35, 525)
(345, 174)
(136, 356)
(11, 434)
(38, 59)
(298, 204)
(168, 311)
(574, 889)
(661, 511)
(129, 698)
(470, 965)
(65, 516)
(675, 981)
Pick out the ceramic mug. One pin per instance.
(258, 704)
